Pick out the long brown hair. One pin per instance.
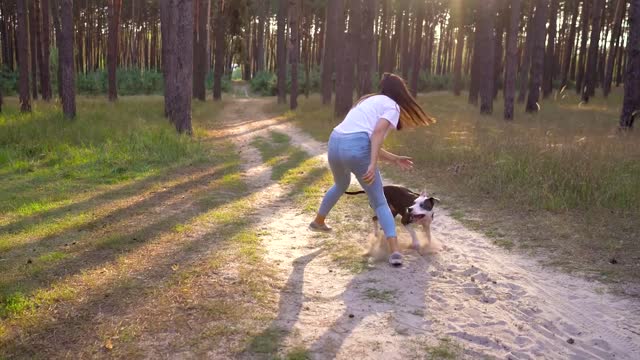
(411, 114)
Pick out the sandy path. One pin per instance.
(489, 301)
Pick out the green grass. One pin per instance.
(298, 353)
(61, 177)
(562, 173)
(44, 158)
(16, 303)
(278, 153)
(446, 349)
(52, 256)
(381, 296)
(266, 342)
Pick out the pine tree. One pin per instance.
(537, 54)
(631, 102)
(115, 7)
(23, 56)
(68, 79)
(511, 59)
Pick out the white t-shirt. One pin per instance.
(365, 115)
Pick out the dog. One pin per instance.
(414, 208)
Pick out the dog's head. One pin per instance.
(422, 208)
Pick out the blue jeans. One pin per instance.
(351, 153)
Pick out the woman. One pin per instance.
(355, 146)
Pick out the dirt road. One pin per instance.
(471, 299)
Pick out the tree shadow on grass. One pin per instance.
(72, 330)
(118, 232)
(108, 193)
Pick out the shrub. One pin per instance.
(430, 82)
(8, 81)
(264, 83)
(130, 82)
(226, 83)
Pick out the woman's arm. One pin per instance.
(387, 155)
(405, 162)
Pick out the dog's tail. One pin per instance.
(355, 192)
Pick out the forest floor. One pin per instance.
(213, 258)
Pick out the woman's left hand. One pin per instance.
(404, 162)
(370, 175)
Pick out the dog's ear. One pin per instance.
(434, 199)
(423, 193)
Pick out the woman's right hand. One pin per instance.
(369, 176)
(404, 162)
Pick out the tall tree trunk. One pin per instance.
(549, 62)
(33, 44)
(592, 59)
(181, 41)
(78, 33)
(404, 60)
(474, 86)
(246, 54)
(322, 24)
(4, 38)
(365, 66)
(486, 41)
(457, 68)
(631, 102)
(384, 41)
(467, 56)
(45, 74)
(282, 57)
(396, 40)
(309, 42)
(418, 10)
(602, 59)
(218, 70)
(499, 49)
(154, 42)
(197, 66)
(440, 46)
(55, 14)
(167, 58)
(537, 55)
(615, 37)
(566, 63)
(39, 48)
(525, 67)
(294, 41)
(620, 62)
(511, 59)
(115, 7)
(346, 84)
(335, 23)
(448, 52)
(66, 49)
(264, 11)
(23, 56)
(200, 48)
(584, 18)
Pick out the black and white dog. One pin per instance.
(414, 208)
